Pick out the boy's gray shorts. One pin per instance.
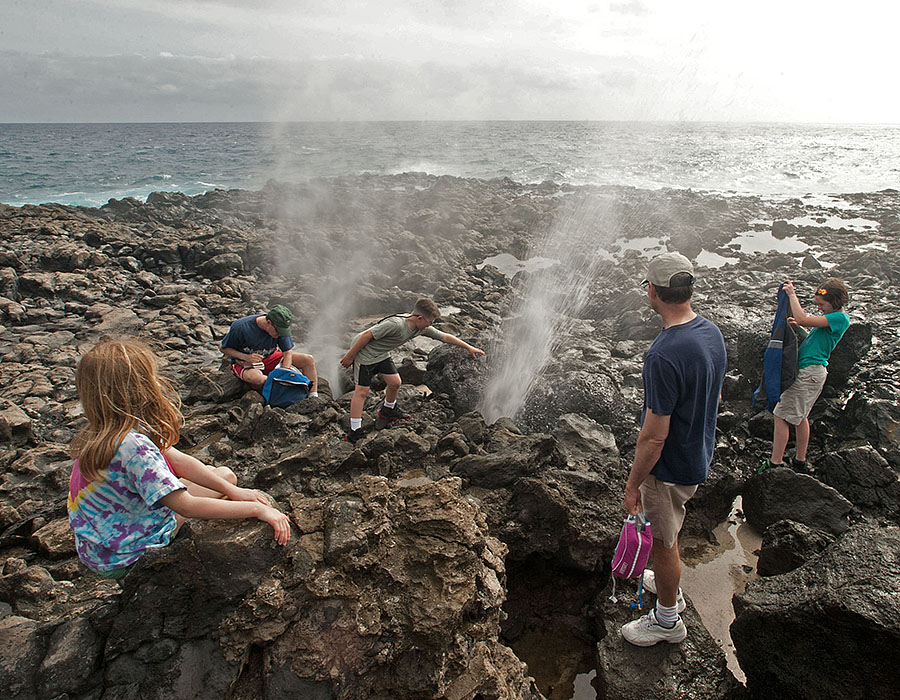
(798, 400)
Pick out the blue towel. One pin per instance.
(780, 358)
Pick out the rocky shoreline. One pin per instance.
(409, 572)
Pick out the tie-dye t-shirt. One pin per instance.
(118, 517)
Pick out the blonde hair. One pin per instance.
(120, 391)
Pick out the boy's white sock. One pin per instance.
(666, 616)
(355, 423)
(390, 404)
(314, 394)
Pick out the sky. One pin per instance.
(299, 60)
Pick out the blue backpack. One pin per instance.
(284, 387)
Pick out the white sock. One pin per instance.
(390, 404)
(314, 394)
(355, 423)
(666, 616)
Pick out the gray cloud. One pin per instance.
(164, 88)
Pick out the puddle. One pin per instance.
(827, 200)
(713, 573)
(646, 246)
(547, 629)
(765, 242)
(713, 260)
(835, 222)
(872, 246)
(509, 264)
(560, 664)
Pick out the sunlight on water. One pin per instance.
(713, 573)
(765, 242)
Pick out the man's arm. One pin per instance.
(650, 443)
(453, 340)
(360, 343)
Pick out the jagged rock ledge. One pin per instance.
(403, 547)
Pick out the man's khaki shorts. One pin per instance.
(663, 505)
(796, 403)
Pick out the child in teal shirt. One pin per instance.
(815, 348)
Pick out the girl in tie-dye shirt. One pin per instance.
(130, 488)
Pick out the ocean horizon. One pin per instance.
(89, 163)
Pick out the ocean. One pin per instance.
(87, 164)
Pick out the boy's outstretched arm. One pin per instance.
(471, 349)
(360, 343)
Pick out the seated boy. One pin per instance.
(370, 354)
(259, 343)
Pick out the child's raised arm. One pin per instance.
(800, 317)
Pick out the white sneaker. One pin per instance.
(650, 585)
(646, 631)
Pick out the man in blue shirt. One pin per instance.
(683, 374)
(259, 343)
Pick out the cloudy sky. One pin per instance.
(269, 60)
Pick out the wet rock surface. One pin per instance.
(407, 543)
(833, 613)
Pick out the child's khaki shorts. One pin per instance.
(796, 403)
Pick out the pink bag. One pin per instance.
(632, 552)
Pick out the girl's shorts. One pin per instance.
(798, 400)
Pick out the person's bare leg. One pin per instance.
(358, 402)
(307, 365)
(254, 377)
(802, 439)
(781, 433)
(197, 490)
(393, 382)
(667, 569)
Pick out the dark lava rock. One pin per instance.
(864, 477)
(782, 494)
(787, 545)
(854, 346)
(384, 591)
(830, 629)
(693, 670)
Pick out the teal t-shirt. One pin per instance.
(388, 334)
(817, 347)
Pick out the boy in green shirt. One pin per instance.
(797, 401)
(370, 354)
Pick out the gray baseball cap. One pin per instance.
(663, 267)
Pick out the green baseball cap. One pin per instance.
(281, 318)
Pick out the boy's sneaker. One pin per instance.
(646, 631)
(801, 467)
(392, 413)
(767, 464)
(650, 585)
(354, 436)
